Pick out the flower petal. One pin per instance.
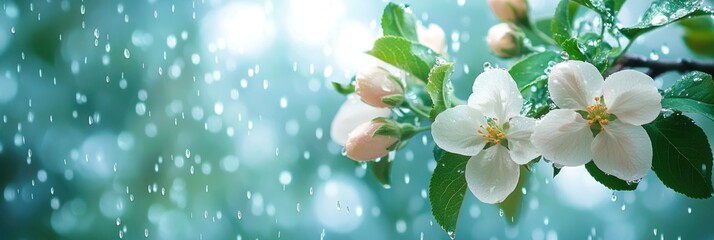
(454, 130)
(492, 175)
(351, 114)
(574, 84)
(623, 150)
(632, 96)
(564, 137)
(519, 139)
(495, 94)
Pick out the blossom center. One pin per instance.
(598, 114)
(492, 132)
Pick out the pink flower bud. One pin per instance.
(509, 10)
(374, 83)
(363, 145)
(351, 114)
(503, 40)
(433, 37)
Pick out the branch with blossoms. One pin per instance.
(569, 99)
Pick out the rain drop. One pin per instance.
(659, 19)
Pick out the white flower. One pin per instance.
(351, 114)
(373, 83)
(491, 119)
(509, 10)
(433, 37)
(616, 107)
(503, 40)
(363, 145)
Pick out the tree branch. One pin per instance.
(657, 68)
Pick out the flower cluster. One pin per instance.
(598, 120)
(570, 99)
(378, 88)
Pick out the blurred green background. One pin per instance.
(210, 119)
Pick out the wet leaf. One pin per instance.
(663, 12)
(438, 89)
(533, 67)
(397, 20)
(693, 93)
(607, 180)
(405, 54)
(382, 170)
(682, 156)
(447, 189)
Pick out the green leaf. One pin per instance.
(543, 25)
(397, 20)
(609, 181)
(447, 190)
(682, 156)
(407, 55)
(693, 93)
(512, 206)
(604, 7)
(575, 49)
(344, 89)
(438, 88)
(699, 34)
(663, 12)
(382, 170)
(700, 42)
(561, 28)
(532, 68)
(556, 170)
(561, 24)
(393, 100)
(388, 129)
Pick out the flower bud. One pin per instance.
(373, 84)
(351, 114)
(364, 145)
(504, 40)
(509, 10)
(433, 37)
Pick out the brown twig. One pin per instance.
(657, 68)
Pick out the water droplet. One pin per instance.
(664, 49)
(564, 55)
(486, 66)
(659, 19)
(614, 197)
(127, 54)
(689, 210)
(500, 212)
(654, 56)
(283, 102)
